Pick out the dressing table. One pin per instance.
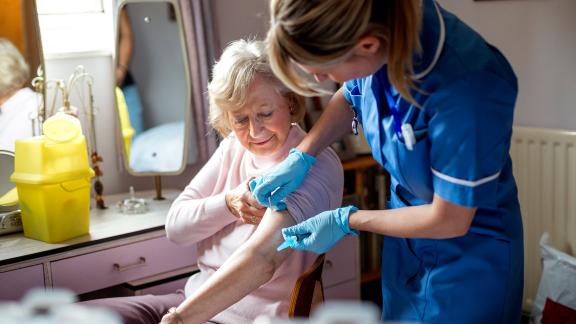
(123, 248)
(119, 248)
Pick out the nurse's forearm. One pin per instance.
(439, 220)
(335, 122)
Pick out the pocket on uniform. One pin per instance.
(415, 166)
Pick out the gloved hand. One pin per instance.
(286, 176)
(319, 233)
(279, 206)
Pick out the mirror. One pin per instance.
(153, 88)
(20, 105)
(8, 194)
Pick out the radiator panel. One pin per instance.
(544, 163)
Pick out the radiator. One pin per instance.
(544, 163)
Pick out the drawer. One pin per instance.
(16, 283)
(342, 262)
(169, 287)
(117, 265)
(344, 290)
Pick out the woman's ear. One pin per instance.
(292, 106)
(368, 45)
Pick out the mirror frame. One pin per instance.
(41, 62)
(188, 109)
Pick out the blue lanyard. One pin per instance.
(403, 131)
(393, 105)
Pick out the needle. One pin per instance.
(290, 241)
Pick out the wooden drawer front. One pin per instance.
(16, 282)
(341, 263)
(345, 290)
(110, 267)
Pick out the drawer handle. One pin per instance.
(141, 262)
(328, 264)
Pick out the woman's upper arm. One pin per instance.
(456, 218)
(197, 212)
(268, 236)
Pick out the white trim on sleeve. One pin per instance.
(465, 182)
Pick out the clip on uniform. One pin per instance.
(408, 134)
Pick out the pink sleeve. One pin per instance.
(322, 190)
(200, 210)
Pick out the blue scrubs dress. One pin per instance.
(462, 133)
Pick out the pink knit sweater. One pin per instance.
(199, 215)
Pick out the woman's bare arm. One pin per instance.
(125, 47)
(252, 265)
(439, 220)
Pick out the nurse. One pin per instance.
(436, 103)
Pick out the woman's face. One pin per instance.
(263, 124)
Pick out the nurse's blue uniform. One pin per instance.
(462, 131)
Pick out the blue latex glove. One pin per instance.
(285, 177)
(279, 206)
(319, 233)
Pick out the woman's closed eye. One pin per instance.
(265, 115)
(240, 121)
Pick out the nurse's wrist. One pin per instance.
(308, 159)
(307, 147)
(344, 219)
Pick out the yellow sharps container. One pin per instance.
(52, 176)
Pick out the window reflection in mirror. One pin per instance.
(153, 92)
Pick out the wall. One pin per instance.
(239, 19)
(538, 38)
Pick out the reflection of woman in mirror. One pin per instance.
(124, 79)
(241, 273)
(18, 104)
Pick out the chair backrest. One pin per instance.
(308, 290)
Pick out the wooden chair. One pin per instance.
(308, 290)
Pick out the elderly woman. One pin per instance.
(18, 105)
(241, 273)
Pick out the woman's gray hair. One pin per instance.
(232, 76)
(14, 71)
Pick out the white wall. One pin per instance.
(538, 37)
(235, 19)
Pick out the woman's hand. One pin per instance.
(172, 317)
(243, 205)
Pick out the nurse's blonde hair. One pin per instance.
(14, 70)
(319, 33)
(232, 76)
